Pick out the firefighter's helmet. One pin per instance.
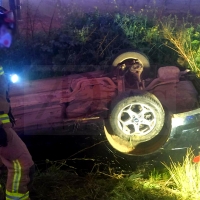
(7, 27)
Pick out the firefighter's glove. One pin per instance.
(3, 137)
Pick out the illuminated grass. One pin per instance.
(186, 176)
(66, 186)
(54, 183)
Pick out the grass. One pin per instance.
(176, 181)
(63, 185)
(186, 176)
(183, 38)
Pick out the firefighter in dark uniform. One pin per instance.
(13, 152)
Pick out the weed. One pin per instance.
(186, 176)
(154, 175)
(183, 38)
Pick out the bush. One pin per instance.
(86, 42)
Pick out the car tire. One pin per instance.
(126, 55)
(141, 151)
(136, 116)
(131, 54)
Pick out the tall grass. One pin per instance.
(183, 37)
(186, 176)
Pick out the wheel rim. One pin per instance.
(136, 119)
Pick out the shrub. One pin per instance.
(85, 42)
(184, 38)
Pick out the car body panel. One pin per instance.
(51, 106)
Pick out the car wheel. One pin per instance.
(136, 117)
(146, 149)
(126, 58)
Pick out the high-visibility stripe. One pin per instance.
(17, 176)
(16, 196)
(4, 118)
(1, 70)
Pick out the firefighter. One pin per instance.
(13, 152)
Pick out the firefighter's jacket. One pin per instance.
(4, 104)
(13, 152)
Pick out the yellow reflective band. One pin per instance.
(14, 196)
(4, 118)
(1, 70)
(3, 115)
(17, 176)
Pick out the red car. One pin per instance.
(140, 114)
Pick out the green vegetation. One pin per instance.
(186, 176)
(175, 181)
(184, 38)
(88, 41)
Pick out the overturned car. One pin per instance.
(140, 114)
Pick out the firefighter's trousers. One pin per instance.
(16, 157)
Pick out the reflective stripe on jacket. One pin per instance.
(16, 196)
(4, 118)
(17, 179)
